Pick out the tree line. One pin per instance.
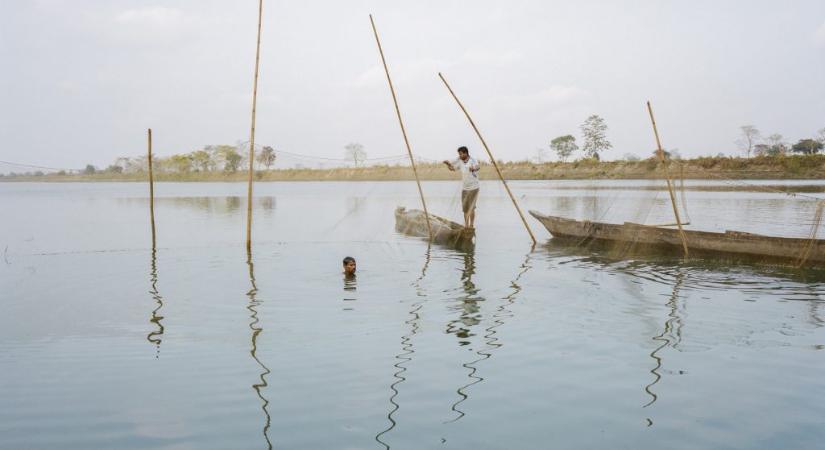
(751, 142)
(231, 158)
(211, 158)
(594, 141)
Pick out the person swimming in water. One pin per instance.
(349, 266)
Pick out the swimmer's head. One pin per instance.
(349, 265)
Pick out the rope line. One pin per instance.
(32, 166)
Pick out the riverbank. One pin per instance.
(800, 167)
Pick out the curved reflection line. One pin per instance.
(256, 330)
(813, 307)
(155, 336)
(670, 336)
(407, 349)
(491, 341)
(468, 301)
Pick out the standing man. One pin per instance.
(469, 183)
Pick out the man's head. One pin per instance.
(349, 265)
(463, 153)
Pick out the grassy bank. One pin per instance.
(763, 167)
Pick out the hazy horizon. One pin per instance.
(82, 80)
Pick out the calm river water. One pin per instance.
(105, 344)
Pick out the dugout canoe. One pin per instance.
(797, 251)
(413, 222)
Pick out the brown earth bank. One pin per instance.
(801, 167)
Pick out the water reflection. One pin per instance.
(407, 348)
(155, 336)
(816, 317)
(491, 341)
(670, 336)
(350, 287)
(727, 270)
(267, 204)
(214, 205)
(468, 303)
(256, 331)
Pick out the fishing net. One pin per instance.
(723, 218)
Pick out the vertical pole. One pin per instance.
(493, 160)
(151, 188)
(661, 154)
(403, 130)
(252, 132)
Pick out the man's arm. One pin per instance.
(449, 165)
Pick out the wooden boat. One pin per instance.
(790, 250)
(413, 222)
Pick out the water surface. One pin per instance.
(105, 343)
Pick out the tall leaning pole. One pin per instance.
(490, 154)
(252, 133)
(661, 152)
(403, 130)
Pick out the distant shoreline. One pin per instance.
(802, 167)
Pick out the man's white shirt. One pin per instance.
(469, 179)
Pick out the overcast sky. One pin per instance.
(81, 80)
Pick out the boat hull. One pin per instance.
(809, 252)
(445, 232)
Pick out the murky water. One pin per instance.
(107, 344)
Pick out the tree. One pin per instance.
(750, 136)
(202, 160)
(564, 146)
(807, 146)
(114, 168)
(355, 152)
(123, 162)
(180, 163)
(665, 153)
(266, 157)
(631, 157)
(138, 164)
(229, 156)
(762, 149)
(776, 145)
(675, 153)
(820, 136)
(595, 140)
(89, 170)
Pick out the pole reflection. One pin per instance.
(407, 349)
(491, 341)
(670, 336)
(253, 351)
(814, 303)
(155, 336)
(468, 303)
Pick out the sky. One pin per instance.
(82, 80)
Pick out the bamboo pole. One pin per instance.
(661, 154)
(151, 187)
(403, 130)
(493, 160)
(252, 132)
